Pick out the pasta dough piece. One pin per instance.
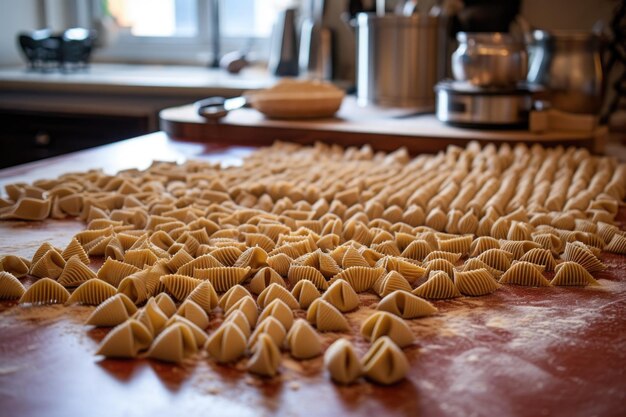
(303, 341)
(617, 244)
(342, 362)
(266, 357)
(305, 292)
(360, 278)
(253, 258)
(352, 258)
(438, 254)
(126, 340)
(227, 344)
(199, 335)
(274, 292)
(50, 265)
(408, 270)
(385, 363)
(341, 295)
(239, 319)
(579, 253)
(201, 262)
(475, 283)
(134, 286)
(325, 317)
(549, 241)
(178, 260)
(173, 344)
(382, 324)
(27, 208)
(482, 244)
(166, 304)
(263, 278)
(406, 305)
(140, 257)
(75, 273)
(496, 258)
(572, 274)
(152, 317)
(233, 295)
(280, 311)
(280, 263)
(417, 250)
(194, 313)
(15, 265)
(204, 295)
(439, 286)
(10, 286)
(271, 327)
(323, 263)
(113, 272)
(391, 282)
(227, 255)
(223, 278)
(540, 256)
(45, 291)
(439, 265)
(248, 307)
(526, 274)
(179, 286)
(473, 264)
(301, 272)
(459, 244)
(75, 249)
(113, 311)
(518, 248)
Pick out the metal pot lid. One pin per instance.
(466, 88)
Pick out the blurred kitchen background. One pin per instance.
(146, 55)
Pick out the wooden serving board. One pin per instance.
(384, 129)
(517, 352)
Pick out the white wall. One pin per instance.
(15, 16)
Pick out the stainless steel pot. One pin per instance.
(489, 59)
(399, 59)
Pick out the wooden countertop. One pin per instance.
(517, 352)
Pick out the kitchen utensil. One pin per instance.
(569, 65)
(315, 58)
(399, 59)
(464, 104)
(283, 59)
(489, 59)
(214, 108)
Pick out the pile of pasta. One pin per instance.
(279, 248)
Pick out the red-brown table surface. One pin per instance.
(518, 352)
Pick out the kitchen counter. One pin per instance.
(517, 352)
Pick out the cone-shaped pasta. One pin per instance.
(178, 260)
(549, 241)
(439, 265)
(459, 244)
(227, 255)
(406, 305)
(473, 264)
(540, 256)
(280, 311)
(227, 343)
(475, 283)
(438, 287)
(50, 265)
(15, 265)
(301, 272)
(417, 250)
(233, 295)
(10, 286)
(408, 270)
(179, 286)
(280, 263)
(134, 286)
(275, 291)
(239, 319)
(389, 283)
(572, 274)
(112, 312)
(323, 262)
(382, 323)
(45, 291)
(496, 258)
(114, 272)
(270, 326)
(126, 340)
(266, 357)
(248, 307)
(140, 257)
(75, 272)
(305, 292)
(352, 257)
(325, 317)
(439, 254)
(41, 251)
(199, 335)
(194, 313)
(201, 262)
(341, 295)
(482, 244)
(223, 278)
(518, 247)
(254, 258)
(385, 363)
(342, 362)
(260, 240)
(526, 274)
(173, 344)
(360, 278)
(617, 244)
(152, 317)
(579, 253)
(166, 304)
(303, 341)
(263, 278)
(75, 249)
(204, 295)
(27, 208)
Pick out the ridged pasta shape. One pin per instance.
(303, 341)
(74, 248)
(204, 295)
(526, 274)
(112, 312)
(475, 283)
(50, 265)
(15, 265)
(572, 274)
(342, 362)
(248, 307)
(41, 251)
(199, 335)
(581, 254)
(113, 272)
(382, 324)
(179, 286)
(27, 208)
(265, 277)
(194, 313)
(227, 255)
(126, 340)
(540, 256)
(227, 343)
(179, 259)
(301, 272)
(140, 257)
(473, 264)
(417, 250)
(275, 291)
(280, 263)
(134, 287)
(152, 317)
(260, 240)
(166, 304)
(617, 244)
(265, 359)
(325, 317)
(439, 265)
(459, 244)
(322, 262)
(384, 363)
(482, 244)
(10, 287)
(390, 282)
(518, 247)
(233, 295)
(352, 257)
(239, 319)
(549, 241)
(410, 271)
(305, 292)
(201, 262)
(496, 258)
(254, 258)
(341, 295)
(223, 278)
(45, 291)
(360, 278)
(271, 327)
(439, 286)
(406, 305)
(439, 254)
(75, 272)
(280, 311)
(92, 292)
(174, 344)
